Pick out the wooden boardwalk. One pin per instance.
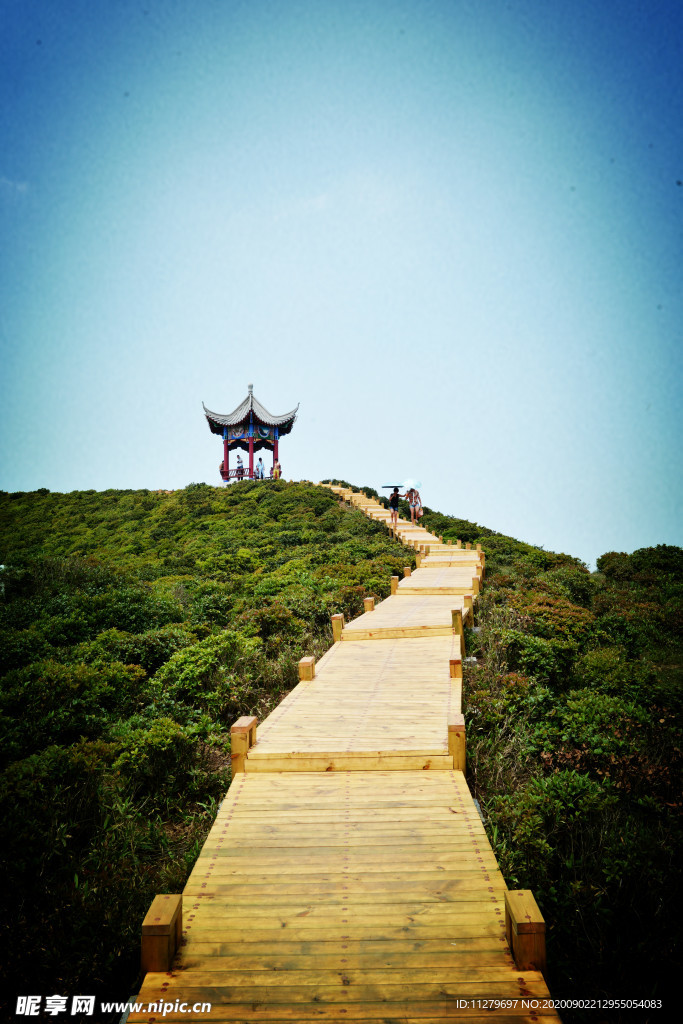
(348, 876)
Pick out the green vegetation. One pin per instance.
(574, 751)
(135, 627)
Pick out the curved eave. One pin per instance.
(240, 417)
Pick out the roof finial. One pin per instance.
(251, 389)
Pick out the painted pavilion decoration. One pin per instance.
(251, 428)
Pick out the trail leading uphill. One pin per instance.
(348, 875)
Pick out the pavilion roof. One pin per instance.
(246, 409)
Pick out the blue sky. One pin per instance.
(450, 229)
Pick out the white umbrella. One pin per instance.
(407, 485)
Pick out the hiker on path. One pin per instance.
(415, 502)
(393, 505)
(240, 467)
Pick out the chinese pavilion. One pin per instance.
(250, 427)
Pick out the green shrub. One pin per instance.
(273, 623)
(572, 582)
(645, 564)
(211, 676)
(600, 723)
(157, 761)
(555, 618)
(20, 647)
(547, 823)
(48, 803)
(548, 660)
(637, 628)
(149, 650)
(213, 603)
(49, 701)
(605, 669)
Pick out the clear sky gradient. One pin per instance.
(450, 229)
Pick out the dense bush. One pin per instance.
(574, 750)
(213, 676)
(149, 649)
(49, 702)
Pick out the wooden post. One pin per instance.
(469, 608)
(337, 627)
(394, 584)
(455, 668)
(406, 571)
(242, 737)
(440, 538)
(458, 543)
(475, 586)
(468, 546)
(456, 615)
(307, 669)
(369, 604)
(418, 560)
(525, 930)
(478, 547)
(161, 932)
(456, 741)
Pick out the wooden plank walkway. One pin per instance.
(362, 702)
(348, 876)
(407, 616)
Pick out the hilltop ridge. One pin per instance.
(136, 626)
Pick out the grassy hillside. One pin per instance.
(573, 712)
(136, 626)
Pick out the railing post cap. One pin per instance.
(524, 911)
(244, 724)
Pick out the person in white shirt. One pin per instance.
(413, 496)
